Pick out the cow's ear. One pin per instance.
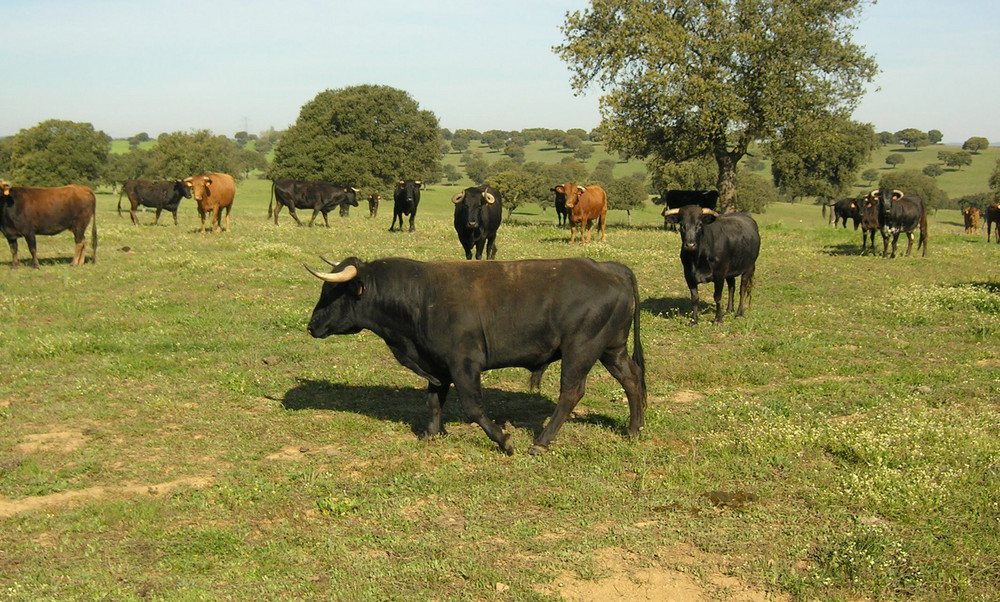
(559, 189)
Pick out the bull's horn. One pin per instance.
(457, 198)
(897, 194)
(667, 212)
(332, 263)
(401, 182)
(356, 190)
(344, 275)
(873, 194)
(581, 189)
(706, 211)
(490, 199)
(418, 182)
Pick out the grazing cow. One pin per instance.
(971, 217)
(27, 212)
(585, 204)
(847, 208)
(405, 201)
(478, 212)
(562, 214)
(158, 195)
(717, 248)
(213, 192)
(373, 200)
(321, 197)
(993, 217)
(675, 199)
(450, 321)
(900, 213)
(871, 222)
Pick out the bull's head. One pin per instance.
(471, 202)
(335, 311)
(573, 193)
(691, 219)
(200, 186)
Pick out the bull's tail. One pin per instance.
(637, 355)
(93, 234)
(120, 193)
(271, 202)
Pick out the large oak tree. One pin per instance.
(689, 78)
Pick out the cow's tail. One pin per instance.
(271, 202)
(637, 355)
(93, 233)
(120, 193)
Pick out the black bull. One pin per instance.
(478, 212)
(901, 213)
(155, 194)
(321, 197)
(450, 321)
(405, 199)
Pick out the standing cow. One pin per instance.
(450, 321)
(993, 220)
(373, 200)
(320, 196)
(478, 212)
(405, 201)
(158, 195)
(213, 192)
(900, 213)
(585, 204)
(562, 214)
(844, 209)
(27, 212)
(871, 222)
(717, 248)
(971, 218)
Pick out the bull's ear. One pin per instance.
(559, 189)
(208, 182)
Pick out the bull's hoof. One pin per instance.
(536, 449)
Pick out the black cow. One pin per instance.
(871, 222)
(675, 199)
(158, 195)
(993, 217)
(562, 213)
(405, 201)
(373, 200)
(478, 212)
(900, 213)
(717, 248)
(320, 196)
(450, 321)
(847, 208)
(27, 212)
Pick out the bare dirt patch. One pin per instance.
(669, 576)
(54, 442)
(10, 507)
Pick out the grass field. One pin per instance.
(169, 431)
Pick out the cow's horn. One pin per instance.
(581, 189)
(457, 198)
(490, 199)
(873, 194)
(707, 211)
(332, 263)
(671, 212)
(897, 194)
(356, 190)
(348, 273)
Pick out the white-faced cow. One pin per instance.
(213, 192)
(450, 321)
(717, 248)
(585, 204)
(405, 201)
(155, 194)
(26, 212)
(478, 212)
(321, 197)
(900, 213)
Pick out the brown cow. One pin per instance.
(27, 212)
(971, 215)
(585, 204)
(213, 192)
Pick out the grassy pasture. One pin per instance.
(168, 430)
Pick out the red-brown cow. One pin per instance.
(213, 193)
(585, 204)
(27, 212)
(971, 215)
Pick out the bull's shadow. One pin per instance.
(846, 249)
(527, 411)
(668, 307)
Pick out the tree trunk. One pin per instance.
(727, 181)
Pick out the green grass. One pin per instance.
(205, 447)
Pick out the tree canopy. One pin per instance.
(821, 157)
(56, 153)
(365, 136)
(684, 78)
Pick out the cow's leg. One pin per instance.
(156, 221)
(572, 232)
(326, 220)
(175, 216)
(81, 246)
(202, 214)
(479, 248)
(629, 374)
(491, 248)
(746, 281)
(135, 218)
(694, 304)
(573, 383)
(885, 244)
(291, 212)
(13, 252)
(731, 289)
(470, 392)
(277, 208)
(313, 219)
(30, 239)
(895, 238)
(215, 220)
(718, 298)
(392, 227)
(589, 231)
(413, 216)
(603, 218)
(909, 243)
(436, 395)
(228, 209)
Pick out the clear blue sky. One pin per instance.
(166, 66)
